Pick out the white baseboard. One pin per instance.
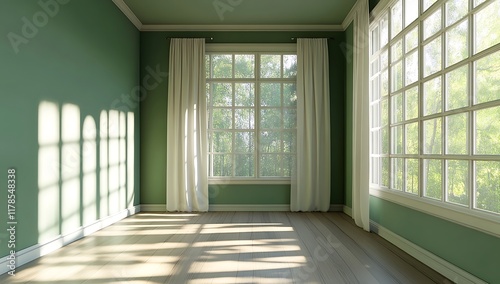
(36, 251)
(347, 210)
(153, 208)
(440, 265)
(249, 207)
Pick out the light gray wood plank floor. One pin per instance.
(229, 247)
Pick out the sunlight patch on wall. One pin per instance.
(89, 157)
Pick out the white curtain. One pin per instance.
(361, 130)
(187, 180)
(311, 184)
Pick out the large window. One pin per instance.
(435, 102)
(251, 98)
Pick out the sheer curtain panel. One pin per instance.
(310, 189)
(187, 180)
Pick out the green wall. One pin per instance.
(83, 57)
(347, 48)
(154, 52)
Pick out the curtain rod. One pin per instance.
(206, 38)
(328, 38)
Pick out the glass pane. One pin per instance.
(375, 40)
(222, 142)
(270, 142)
(222, 165)
(374, 67)
(384, 112)
(457, 182)
(222, 94)
(244, 165)
(222, 66)
(397, 174)
(270, 165)
(397, 139)
(397, 50)
(412, 176)
(412, 138)
(488, 131)
(222, 118)
(396, 19)
(397, 108)
(487, 25)
(270, 94)
(397, 76)
(289, 66)
(384, 59)
(488, 186)
(244, 94)
(411, 40)
(244, 66)
(384, 83)
(432, 136)
(456, 10)
(289, 142)
(244, 118)
(456, 43)
(478, 2)
(384, 30)
(457, 88)
(290, 94)
(432, 96)
(270, 66)
(385, 140)
(411, 11)
(374, 89)
(432, 24)
(432, 57)
(411, 65)
(411, 101)
(428, 3)
(270, 118)
(244, 142)
(288, 163)
(289, 118)
(488, 78)
(456, 134)
(433, 179)
(207, 66)
(385, 172)
(375, 115)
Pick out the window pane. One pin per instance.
(456, 10)
(411, 66)
(288, 162)
(222, 65)
(289, 66)
(487, 26)
(222, 165)
(433, 179)
(411, 176)
(222, 94)
(397, 76)
(456, 43)
(290, 94)
(244, 142)
(488, 131)
(456, 134)
(270, 66)
(411, 101)
(411, 39)
(397, 174)
(222, 118)
(244, 165)
(270, 94)
(432, 57)
(375, 40)
(384, 30)
(396, 19)
(385, 140)
(244, 118)
(397, 139)
(289, 142)
(270, 142)
(488, 78)
(222, 142)
(488, 186)
(385, 112)
(432, 136)
(270, 118)
(457, 88)
(270, 165)
(384, 83)
(244, 66)
(207, 66)
(412, 138)
(385, 172)
(432, 24)
(432, 96)
(411, 11)
(244, 94)
(478, 2)
(457, 182)
(289, 118)
(397, 50)
(428, 3)
(397, 108)
(384, 59)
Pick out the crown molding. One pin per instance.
(241, 28)
(350, 16)
(128, 13)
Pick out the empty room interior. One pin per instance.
(250, 141)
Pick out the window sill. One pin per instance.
(245, 181)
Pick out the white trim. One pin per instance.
(153, 207)
(450, 271)
(477, 220)
(36, 251)
(250, 207)
(241, 28)
(350, 16)
(251, 47)
(347, 210)
(128, 13)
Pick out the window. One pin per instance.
(435, 103)
(251, 99)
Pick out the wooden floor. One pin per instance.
(229, 247)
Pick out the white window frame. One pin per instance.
(469, 216)
(256, 49)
